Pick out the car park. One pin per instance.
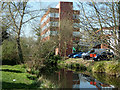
(71, 55)
(92, 51)
(78, 55)
(103, 56)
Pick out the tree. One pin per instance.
(4, 34)
(19, 15)
(19, 26)
(119, 18)
(100, 15)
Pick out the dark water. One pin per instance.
(69, 79)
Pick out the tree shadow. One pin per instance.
(8, 85)
(7, 70)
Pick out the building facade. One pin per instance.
(61, 23)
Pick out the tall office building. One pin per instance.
(61, 23)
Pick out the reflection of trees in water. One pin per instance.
(82, 78)
(112, 80)
(66, 79)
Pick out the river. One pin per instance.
(70, 79)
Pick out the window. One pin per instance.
(75, 16)
(106, 32)
(75, 25)
(54, 23)
(45, 19)
(54, 15)
(46, 34)
(76, 34)
(46, 26)
(53, 32)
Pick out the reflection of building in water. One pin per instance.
(65, 78)
(68, 79)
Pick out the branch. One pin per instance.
(12, 16)
(31, 19)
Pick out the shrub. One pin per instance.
(9, 53)
(99, 67)
(32, 77)
(89, 68)
(83, 67)
(113, 68)
(76, 66)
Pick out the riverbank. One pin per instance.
(17, 77)
(108, 67)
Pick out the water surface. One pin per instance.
(69, 79)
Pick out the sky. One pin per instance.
(43, 5)
(35, 5)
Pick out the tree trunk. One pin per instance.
(20, 50)
(119, 21)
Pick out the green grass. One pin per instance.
(18, 73)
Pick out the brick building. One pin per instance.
(61, 23)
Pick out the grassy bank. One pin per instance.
(109, 67)
(16, 77)
(78, 64)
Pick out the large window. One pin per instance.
(54, 23)
(45, 19)
(54, 15)
(46, 34)
(54, 33)
(46, 26)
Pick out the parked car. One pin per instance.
(79, 55)
(92, 51)
(71, 55)
(103, 56)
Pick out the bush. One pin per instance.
(89, 68)
(76, 66)
(113, 68)
(32, 77)
(99, 67)
(9, 53)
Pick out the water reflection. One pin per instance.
(112, 80)
(69, 79)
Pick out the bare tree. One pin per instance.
(19, 15)
(100, 15)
